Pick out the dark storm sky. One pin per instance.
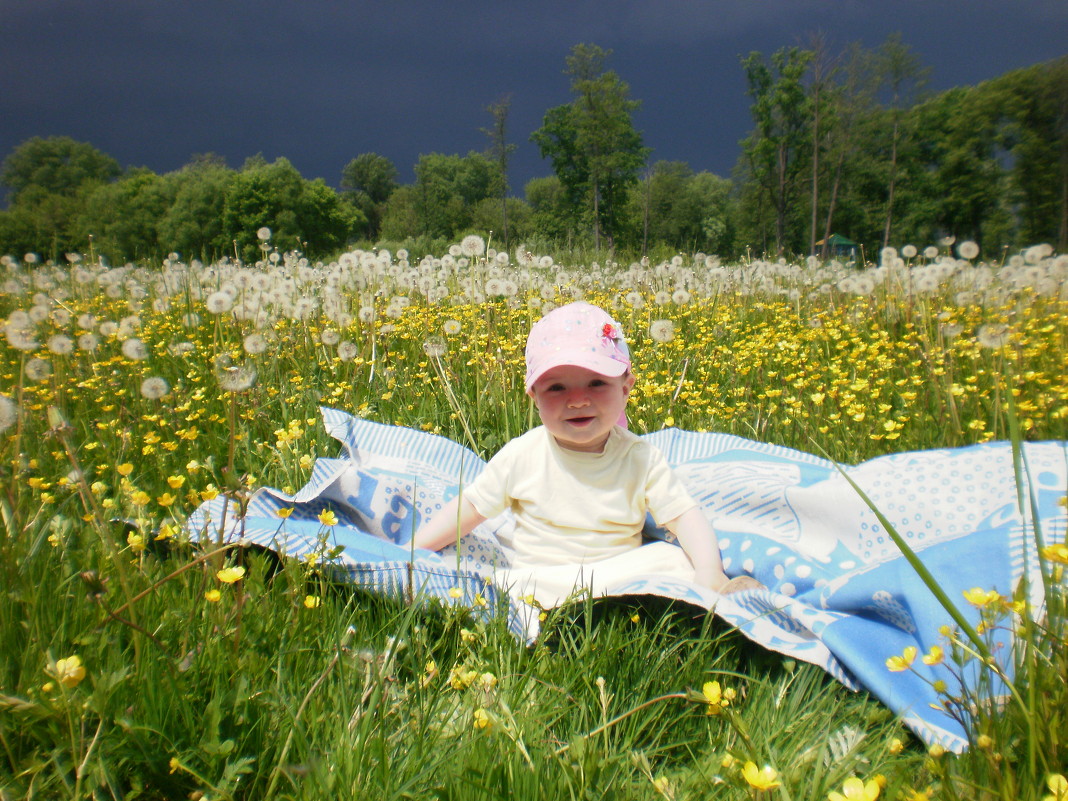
(151, 82)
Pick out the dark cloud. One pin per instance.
(323, 80)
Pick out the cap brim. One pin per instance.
(602, 365)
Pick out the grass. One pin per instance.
(281, 684)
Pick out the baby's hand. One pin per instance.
(739, 584)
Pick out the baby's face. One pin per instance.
(579, 406)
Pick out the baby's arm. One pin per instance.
(697, 538)
(455, 519)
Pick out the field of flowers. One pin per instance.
(136, 665)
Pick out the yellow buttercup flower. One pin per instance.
(716, 699)
(327, 517)
(854, 789)
(175, 482)
(124, 469)
(896, 664)
(312, 601)
(1056, 553)
(229, 575)
(69, 671)
(760, 779)
(212, 596)
(935, 656)
(979, 597)
(482, 720)
(136, 542)
(1058, 787)
(284, 512)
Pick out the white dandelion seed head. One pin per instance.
(219, 302)
(329, 337)
(366, 314)
(255, 344)
(263, 234)
(134, 350)
(472, 245)
(61, 345)
(190, 320)
(88, 342)
(1036, 253)
(434, 347)
(909, 251)
(662, 330)
(347, 350)
(993, 335)
(181, 348)
(680, 297)
(452, 327)
(662, 298)
(930, 252)
(154, 387)
(236, 378)
(968, 249)
(9, 413)
(20, 338)
(38, 369)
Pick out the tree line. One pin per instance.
(847, 143)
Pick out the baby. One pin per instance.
(580, 485)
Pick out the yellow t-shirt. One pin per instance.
(572, 507)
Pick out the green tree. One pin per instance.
(193, 224)
(55, 164)
(401, 216)
(596, 152)
(123, 217)
(903, 78)
(447, 189)
(499, 152)
(514, 214)
(684, 210)
(850, 101)
(551, 210)
(367, 182)
(302, 215)
(775, 152)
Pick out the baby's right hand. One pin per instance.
(739, 584)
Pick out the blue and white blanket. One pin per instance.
(840, 593)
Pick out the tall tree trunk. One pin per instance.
(815, 174)
(890, 191)
(596, 216)
(832, 204)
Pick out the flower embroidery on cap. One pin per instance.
(609, 332)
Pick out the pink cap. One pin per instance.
(579, 335)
